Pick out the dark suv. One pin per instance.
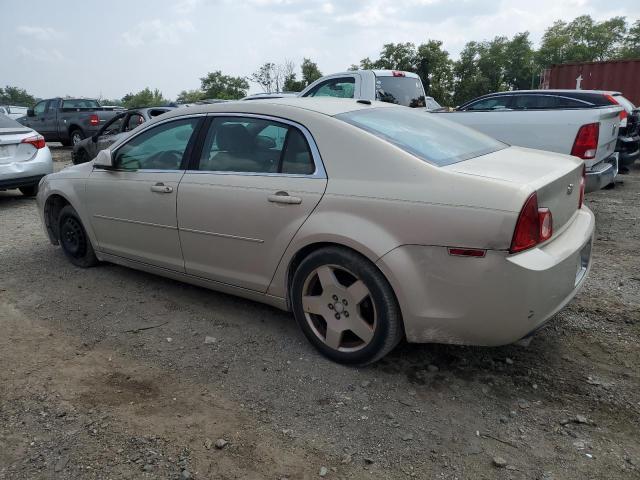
(628, 146)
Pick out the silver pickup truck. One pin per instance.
(554, 121)
(67, 120)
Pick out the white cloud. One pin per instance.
(40, 33)
(41, 54)
(158, 31)
(184, 7)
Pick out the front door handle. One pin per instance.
(284, 197)
(161, 188)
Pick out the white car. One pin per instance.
(24, 157)
(370, 222)
(12, 111)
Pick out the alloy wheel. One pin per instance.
(339, 309)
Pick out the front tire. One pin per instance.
(345, 306)
(74, 240)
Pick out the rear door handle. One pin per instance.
(161, 188)
(284, 197)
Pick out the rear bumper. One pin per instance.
(602, 174)
(628, 149)
(490, 301)
(27, 173)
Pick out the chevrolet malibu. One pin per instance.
(370, 222)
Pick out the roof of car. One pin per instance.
(554, 91)
(322, 105)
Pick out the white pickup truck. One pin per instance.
(533, 119)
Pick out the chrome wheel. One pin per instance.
(338, 308)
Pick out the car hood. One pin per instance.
(74, 171)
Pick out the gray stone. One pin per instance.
(508, 361)
(407, 437)
(210, 340)
(323, 471)
(185, 475)
(432, 368)
(581, 419)
(499, 462)
(365, 383)
(221, 443)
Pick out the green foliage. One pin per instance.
(16, 96)
(144, 98)
(631, 43)
(224, 87)
(310, 71)
(190, 96)
(115, 102)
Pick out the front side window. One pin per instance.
(425, 135)
(493, 103)
(334, 87)
(114, 126)
(247, 144)
(159, 148)
(39, 108)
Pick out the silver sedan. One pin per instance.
(24, 157)
(370, 222)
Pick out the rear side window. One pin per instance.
(255, 145)
(492, 103)
(342, 87)
(80, 103)
(406, 91)
(533, 102)
(425, 135)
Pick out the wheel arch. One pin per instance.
(52, 207)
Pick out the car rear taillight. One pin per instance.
(94, 120)
(534, 225)
(623, 113)
(586, 142)
(396, 73)
(36, 140)
(582, 185)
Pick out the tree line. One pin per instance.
(483, 67)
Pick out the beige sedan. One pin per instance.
(370, 222)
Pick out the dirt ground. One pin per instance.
(107, 373)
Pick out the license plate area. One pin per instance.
(583, 262)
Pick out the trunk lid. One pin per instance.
(609, 121)
(555, 177)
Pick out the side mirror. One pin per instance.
(30, 112)
(103, 160)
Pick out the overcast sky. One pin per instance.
(110, 48)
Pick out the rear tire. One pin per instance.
(345, 306)
(76, 136)
(74, 240)
(30, 191)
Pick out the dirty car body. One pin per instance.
(370, 222)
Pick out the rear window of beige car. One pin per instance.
(425, 135)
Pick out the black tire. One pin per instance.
(74, 240)
(81, 156)
(30, 191)
(75, 136)
(387, 327)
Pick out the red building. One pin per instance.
(618, 75)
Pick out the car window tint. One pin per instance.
(39, 108)
(493, 103)
(254, 145)
(405, 91)
(565, 102)
(533, 102)
(80, 103)
(427, 136)
(342, 87)
(114, 126)
(159, 148)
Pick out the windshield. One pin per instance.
(405, 91)
(425, 135)
(80, 103)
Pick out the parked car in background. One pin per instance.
(407, 226)
(12, 111)
(628, 145)
(24, 157)
(572, 122)
(110, 132)
(67, 120)
(392, 86)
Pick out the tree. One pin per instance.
(631, 43)
(144, 98)
(519, 67)
(225, 87)
(310, 71)
(190, 96)
(16, 96)
(435, 69)
(269, 77)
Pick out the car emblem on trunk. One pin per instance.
(569, 188)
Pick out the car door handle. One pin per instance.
(161, 188)
(284, 197)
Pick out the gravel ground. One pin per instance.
(108, 373)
